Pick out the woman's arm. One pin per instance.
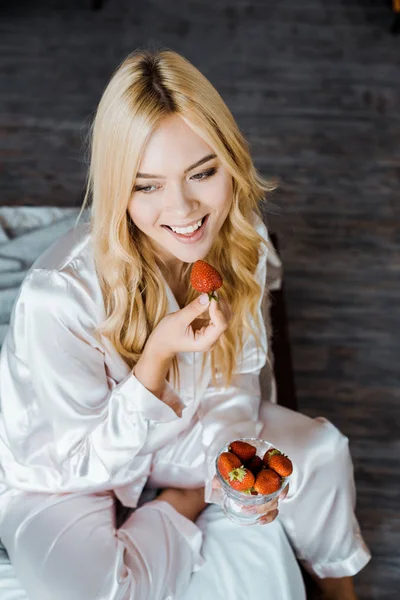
(68, 423)
(151, 370)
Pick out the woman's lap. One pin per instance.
(46, 537)
(244, 562)
(318, 512)
(181, 461)
(67, 547)
(72, 539)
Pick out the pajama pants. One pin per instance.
(69, 547)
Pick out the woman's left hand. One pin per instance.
(269, 510)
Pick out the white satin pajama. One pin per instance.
(77, 429)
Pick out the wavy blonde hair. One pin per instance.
(146, 88)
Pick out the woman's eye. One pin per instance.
(147, 189)
(204, 174)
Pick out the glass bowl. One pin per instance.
(237, 505)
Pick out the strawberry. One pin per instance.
(267, 482)
(255, 465)
(227, 462)
(267, 455)
(243, 450)
(241, 479)
(205, 279)
(279, 462)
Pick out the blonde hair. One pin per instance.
(147, 87)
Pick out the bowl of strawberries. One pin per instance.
(252, 472)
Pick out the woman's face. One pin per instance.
(179, 182)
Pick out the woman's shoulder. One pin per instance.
(269, 260)
(60, 293)
(64, 276)
(260, 227)
(264, 245)
(72, 247)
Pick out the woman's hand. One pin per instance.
(268, 511)
(189, 329)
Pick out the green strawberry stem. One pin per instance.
(212, 296)
(237, 474)
(275, 453)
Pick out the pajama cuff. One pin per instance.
(184, 526)
(342, 568)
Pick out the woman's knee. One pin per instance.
(332, 443)
(61, 547)
(325, 461)
(300, 436)
(325, 450)
(315, 446)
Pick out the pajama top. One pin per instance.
(73, 415)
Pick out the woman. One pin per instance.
(104, 321)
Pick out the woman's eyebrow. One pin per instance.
(196, 164)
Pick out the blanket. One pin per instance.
(26, 232)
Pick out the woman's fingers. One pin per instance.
(263, 509)
(215, 483)
(209, 334)
(268, 511)
(268, 518)
(273, 510)
(219, 313)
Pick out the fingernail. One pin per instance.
(204, 299)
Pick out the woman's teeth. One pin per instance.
(190, 229)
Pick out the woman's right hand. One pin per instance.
(177, 332)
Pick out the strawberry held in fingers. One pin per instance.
(279, 462)
(267, 482)
(243, 450)
(205, 279)
(241, 479)
(227, 462)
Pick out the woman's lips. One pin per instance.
(194, 237)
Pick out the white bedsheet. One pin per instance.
(10, 588)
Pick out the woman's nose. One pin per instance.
(179, 202)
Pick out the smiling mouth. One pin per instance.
(202, 223)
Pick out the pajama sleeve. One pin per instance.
(65, 417)
(231, 412)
